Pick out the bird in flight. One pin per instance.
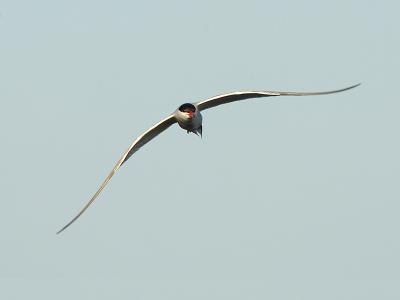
(188, 116)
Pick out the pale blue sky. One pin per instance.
(289, 198)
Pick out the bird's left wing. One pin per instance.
(135, 146)
(237, 96)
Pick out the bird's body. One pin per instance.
(188, 116)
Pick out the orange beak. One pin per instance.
(191, 114)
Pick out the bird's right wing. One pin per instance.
(237, 96)
(135, 146)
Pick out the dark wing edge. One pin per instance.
(237, 96)
(135, 146)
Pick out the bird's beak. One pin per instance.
(191, 114)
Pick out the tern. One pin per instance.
(188, 116)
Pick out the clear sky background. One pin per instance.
(284, 198)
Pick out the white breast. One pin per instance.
(188, 123)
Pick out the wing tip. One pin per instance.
(350, 87)
(62, 229)
(354, 86)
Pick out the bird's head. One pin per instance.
(188, 109)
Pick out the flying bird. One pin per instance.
(188, 116)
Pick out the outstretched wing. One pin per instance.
(231, 97)
(136, 145)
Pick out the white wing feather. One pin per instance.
(135, 146)
(237, 96)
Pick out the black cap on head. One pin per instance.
(187, 107)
